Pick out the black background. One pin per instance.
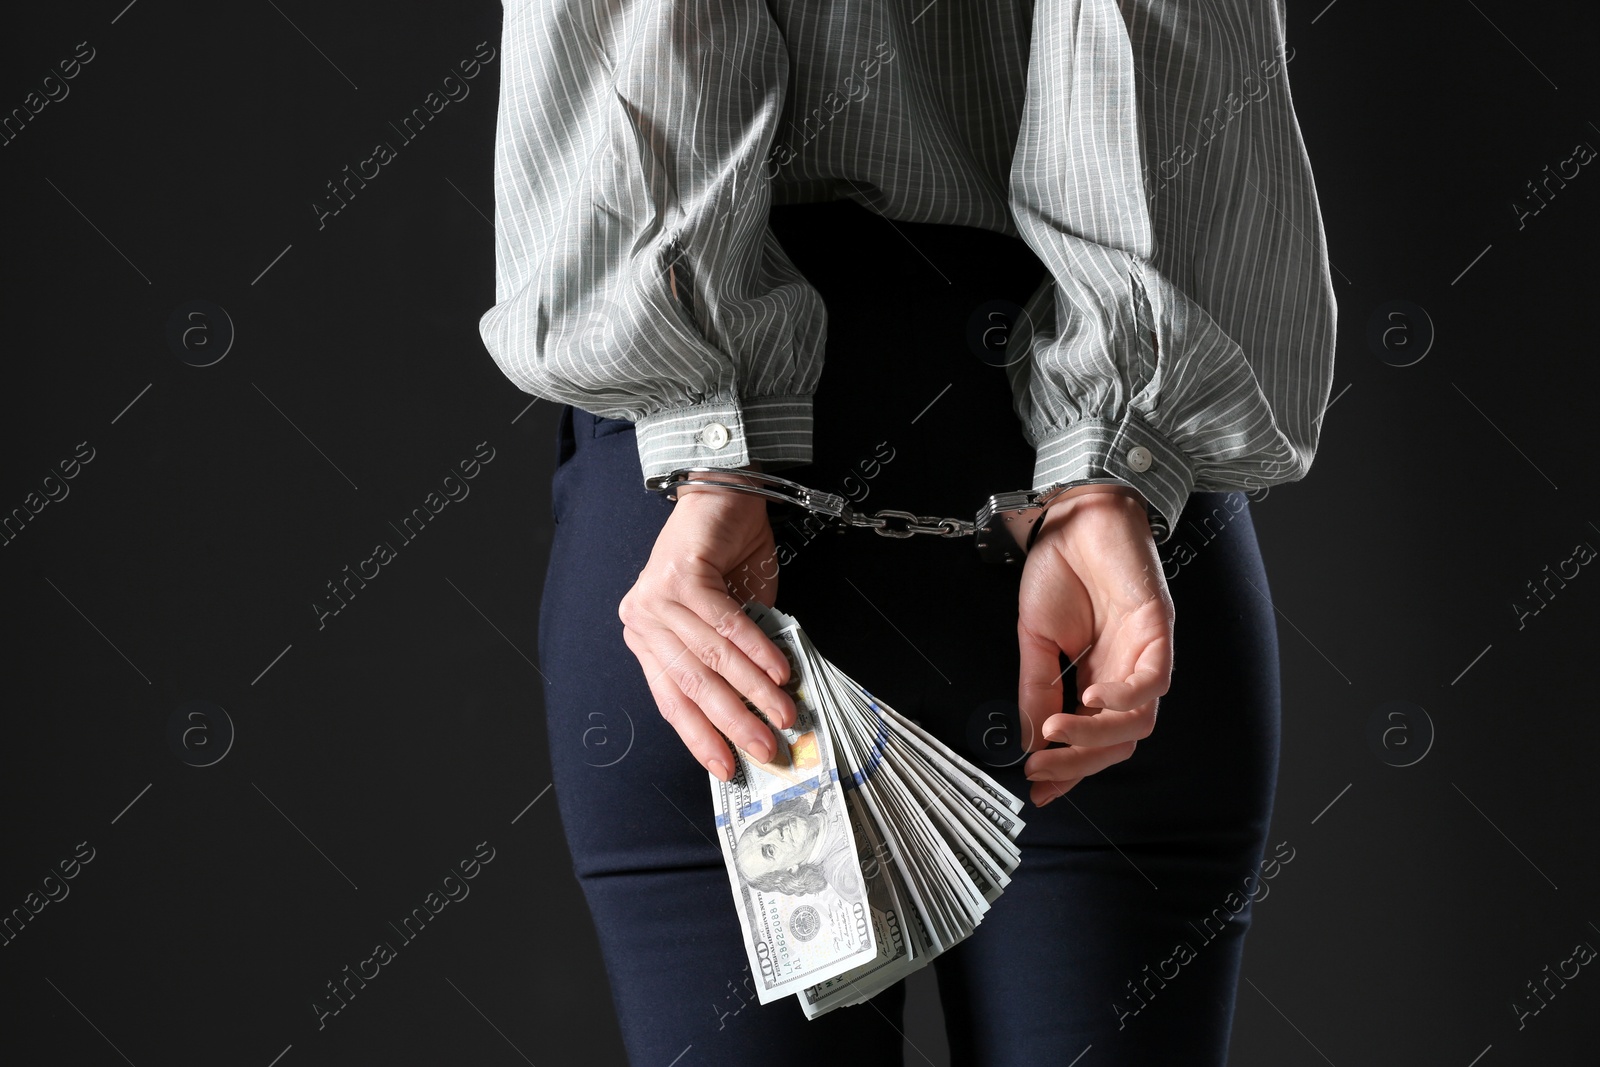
(374, 752)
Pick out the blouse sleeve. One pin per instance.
(1184, 338)
(636, 275)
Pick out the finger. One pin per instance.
(1140, 687)
(713, 648)
(726, 615)
(1151, 677)
(1042, 793)
(709, 692)
(1103, 727)
(728, 663)
(1061, 764)
(696, 732)
(1039, 690)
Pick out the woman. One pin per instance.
(1029, 274)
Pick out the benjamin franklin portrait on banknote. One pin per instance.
(801, 846)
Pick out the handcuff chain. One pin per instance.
(1005, 526)
(892, 522)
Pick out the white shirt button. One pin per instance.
(714, 435)
(1139, 458)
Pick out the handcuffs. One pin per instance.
(1005, 527)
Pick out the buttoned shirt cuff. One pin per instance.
(727, 431)
(1130, 451)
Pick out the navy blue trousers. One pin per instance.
(1123, 930)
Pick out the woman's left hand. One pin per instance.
(1092, 587)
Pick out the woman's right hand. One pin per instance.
(698, 648)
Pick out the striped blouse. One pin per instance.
(1147, 151)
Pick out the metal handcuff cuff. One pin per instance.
(1005, 526)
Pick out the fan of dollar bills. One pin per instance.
(866, 846)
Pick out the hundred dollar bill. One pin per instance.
(789, 846)
(895, 957)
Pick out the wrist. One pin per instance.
(685, 491)
(1103, 502)
(1089, 490)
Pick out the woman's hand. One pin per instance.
(698, 648)
(1092, 587)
